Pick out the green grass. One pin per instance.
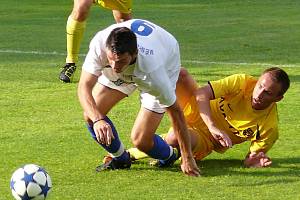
(41, 119)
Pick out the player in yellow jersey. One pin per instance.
(75, 28)
(230, 111)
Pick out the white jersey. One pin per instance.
(157, 66)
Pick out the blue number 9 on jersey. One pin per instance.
(141, 27)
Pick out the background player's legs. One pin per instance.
(75, 29)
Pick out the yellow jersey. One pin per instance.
(232, 112)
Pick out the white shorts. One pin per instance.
(148, 101)
(126, 88)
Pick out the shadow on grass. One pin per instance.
(285, 167)
(281, 167)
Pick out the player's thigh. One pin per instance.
(144, 128)
(106, 97)
(107, 93)
(82, 5)
(171, 138)
(81, 9)
(195, 139)
(200, 143)
(124, 6)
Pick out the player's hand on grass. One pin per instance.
(257, 160)
(103, 132)
(189, 167)
(221, 137)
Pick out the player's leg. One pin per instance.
(75, 29)
(201, 139)
(105, 99)
(107, 95)
(144, 138)
(184, 90)
(200, 143)
(136, 154)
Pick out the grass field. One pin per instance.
(41, 120)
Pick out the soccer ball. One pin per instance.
(30, 182)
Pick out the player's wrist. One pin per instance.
(97, 120)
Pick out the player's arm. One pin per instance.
(257, 156)
(85, 87)
(203, 97)
(188, 165)
(162, 83)
(185, 87)
(102, 129)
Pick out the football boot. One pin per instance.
(67, 73)
(110, 163)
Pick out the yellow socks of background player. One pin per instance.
(75, 30)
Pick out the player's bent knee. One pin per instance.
(141, 143)
(171, 139)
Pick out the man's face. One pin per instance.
(265, 92)
(119, 62)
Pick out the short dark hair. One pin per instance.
(122, 40)
(281, 77)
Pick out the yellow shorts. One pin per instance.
(202, 145)
(204, 142)
(124, 6)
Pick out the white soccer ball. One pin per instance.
(30, 182)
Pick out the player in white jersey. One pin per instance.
(123, 57)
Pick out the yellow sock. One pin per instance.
(75, 32)
(137, 154)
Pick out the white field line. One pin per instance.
(184, 61)
(241, 63)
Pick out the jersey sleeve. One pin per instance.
(265, 142)
(164, 87)
(267, 134)
(228, 86)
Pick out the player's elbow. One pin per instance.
(183, 75)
